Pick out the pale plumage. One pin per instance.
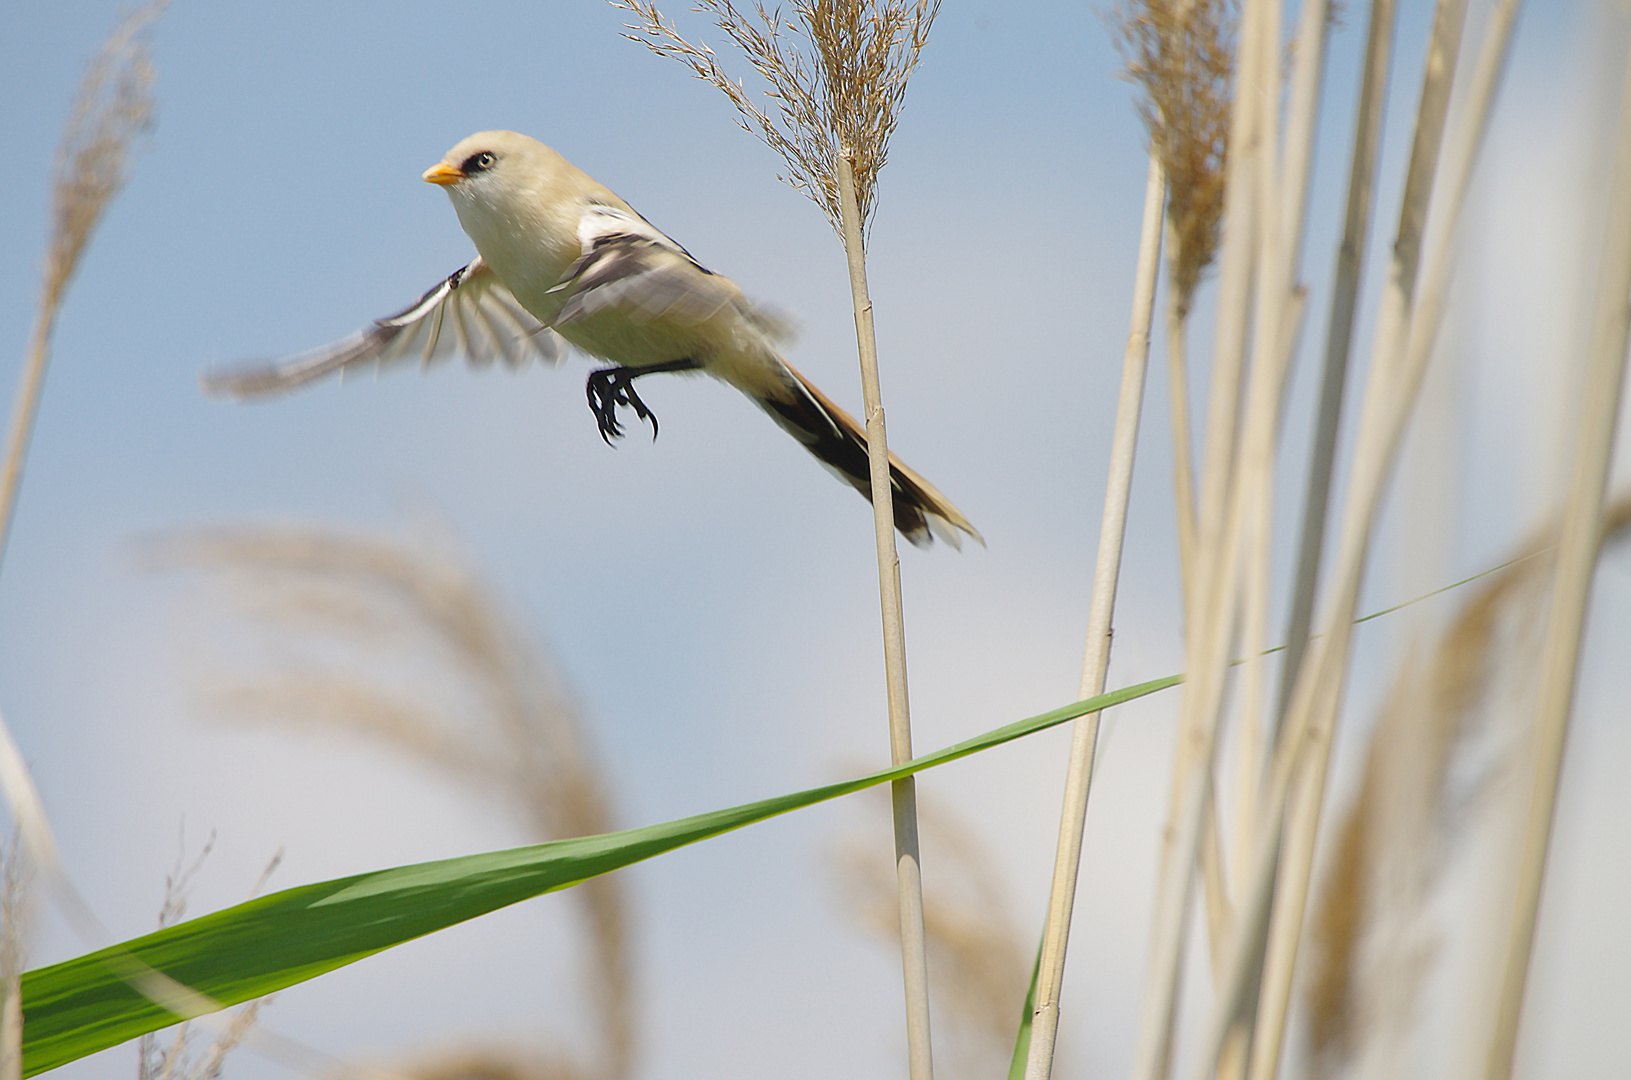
(562, 255)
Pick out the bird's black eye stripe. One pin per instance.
(476, 163)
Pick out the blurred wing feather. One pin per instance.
(470, 313)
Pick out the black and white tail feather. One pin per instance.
(838, 441)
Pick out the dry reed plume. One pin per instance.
(1435, 750)
(1181, 54)
(481, 1063)
(405, 646)
(837, 74)
(112, 108)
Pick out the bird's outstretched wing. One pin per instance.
(469, 313)
(630, 267)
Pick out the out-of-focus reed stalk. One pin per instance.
(1437, 739)
(1181, 54)
(1283, 196)
(1302, 756)
(1210, 605)
(1096, 651)
(1571, 591)
(113, 105)
(1339, 338)
(836, 112)
(14, 917)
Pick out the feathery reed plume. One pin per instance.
(477, 1063)
(1429, 757)
(406, 646)
(177, 1060)
(978, 964)
(14, 921)
(1181, 55)
(838, 108)
(114, 105)
(837, 75)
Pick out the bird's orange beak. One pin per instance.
(442, 173)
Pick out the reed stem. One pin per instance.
(1571, 590)
(903, 793)
(1096, 652)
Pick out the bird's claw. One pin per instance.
(609, 388)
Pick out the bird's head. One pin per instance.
(500, 179)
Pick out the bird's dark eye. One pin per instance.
(476, 163)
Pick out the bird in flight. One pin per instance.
(562, 257)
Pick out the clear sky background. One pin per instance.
(712, 597)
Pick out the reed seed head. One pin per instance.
(837, 72)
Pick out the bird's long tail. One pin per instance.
(839, 443)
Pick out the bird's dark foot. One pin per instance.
(613, 386)
(607, 389)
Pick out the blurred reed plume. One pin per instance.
(978, 964)
(1443, 742)
(404, 645)
(837, 74)
(479, 1063)
(178, 1060)
(114, 105)
(1181, 54)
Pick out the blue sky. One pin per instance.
(711, 597)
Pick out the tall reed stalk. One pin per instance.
(1181, 55)
(836, 109)
(1339, 338)
(1209, 615)
(903, 793)
(1301, 757)
(1226, 553)
(1400, 378)
(1096, 651)
(1571, 591)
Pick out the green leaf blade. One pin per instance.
(96, 1001)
